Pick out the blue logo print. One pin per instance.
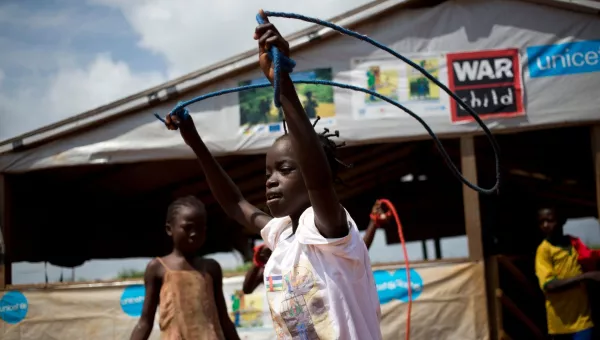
(394, 286)
(132, 300)
(275, 127)
(13, 307)
(564, 59)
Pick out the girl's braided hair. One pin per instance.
(186, 201)
(329, 147)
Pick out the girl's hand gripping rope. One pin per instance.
(268, 36)
(180, 119)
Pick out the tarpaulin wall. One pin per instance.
(448, 303)
(516, 72)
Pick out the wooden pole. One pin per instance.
(595, 134)
(494, 306)
(5, 267)
(471, 199)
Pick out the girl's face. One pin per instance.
(286, 192)
(188, 229)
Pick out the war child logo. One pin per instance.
(488, 81)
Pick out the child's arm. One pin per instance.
(370, 233)
(253, 279)
(330, 217)
(152, 283)
(222, 187)
(546, 274)
(255, 275)
(214, 269)
(377, 214)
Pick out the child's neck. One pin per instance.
(179, 254)
(557, 238)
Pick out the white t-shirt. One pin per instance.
(319, 288)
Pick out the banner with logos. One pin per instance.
(448, 303)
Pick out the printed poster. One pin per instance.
(259, 114)
(249, 312)
(402, 83)
(488, 81)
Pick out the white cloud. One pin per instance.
(69, 91)
(191, 34)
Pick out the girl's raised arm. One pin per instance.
(330, 217)
(222, 187)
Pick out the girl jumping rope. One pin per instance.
(319, 279)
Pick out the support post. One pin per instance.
(438, 248)
(595, 134)
(471, 199)
(5, 267)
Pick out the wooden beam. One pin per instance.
(595, 132)
(471, 198)
(438, 248)
(5, 267)
(512, 307)
(424, 247)
(492, 283)
(532, 291)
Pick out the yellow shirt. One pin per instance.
(568, 311)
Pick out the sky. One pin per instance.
(63, 57)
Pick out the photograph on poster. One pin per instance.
(400, 82)
(257, 108)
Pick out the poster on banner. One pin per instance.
(488, 81)
(400, 82)
(249, 312)
(258, 113)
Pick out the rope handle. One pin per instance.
(256, 257)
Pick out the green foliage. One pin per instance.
(321, 93)
(256, 105)
(127, 274)
(241, 269)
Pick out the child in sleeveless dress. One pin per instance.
(188, 289)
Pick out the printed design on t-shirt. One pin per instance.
(274, 283)
(294, 310)
(303, 313)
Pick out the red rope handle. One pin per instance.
(401, 234)
(256, 258)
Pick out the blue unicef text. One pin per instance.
(394, 285)
(564, 59)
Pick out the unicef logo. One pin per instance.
(13, 307)
(394, 285)
(132, 300)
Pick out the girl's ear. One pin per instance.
(168, 229)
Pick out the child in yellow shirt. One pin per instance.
(562, 280)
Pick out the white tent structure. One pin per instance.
(531, 68)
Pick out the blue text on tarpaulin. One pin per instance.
(564, 59)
